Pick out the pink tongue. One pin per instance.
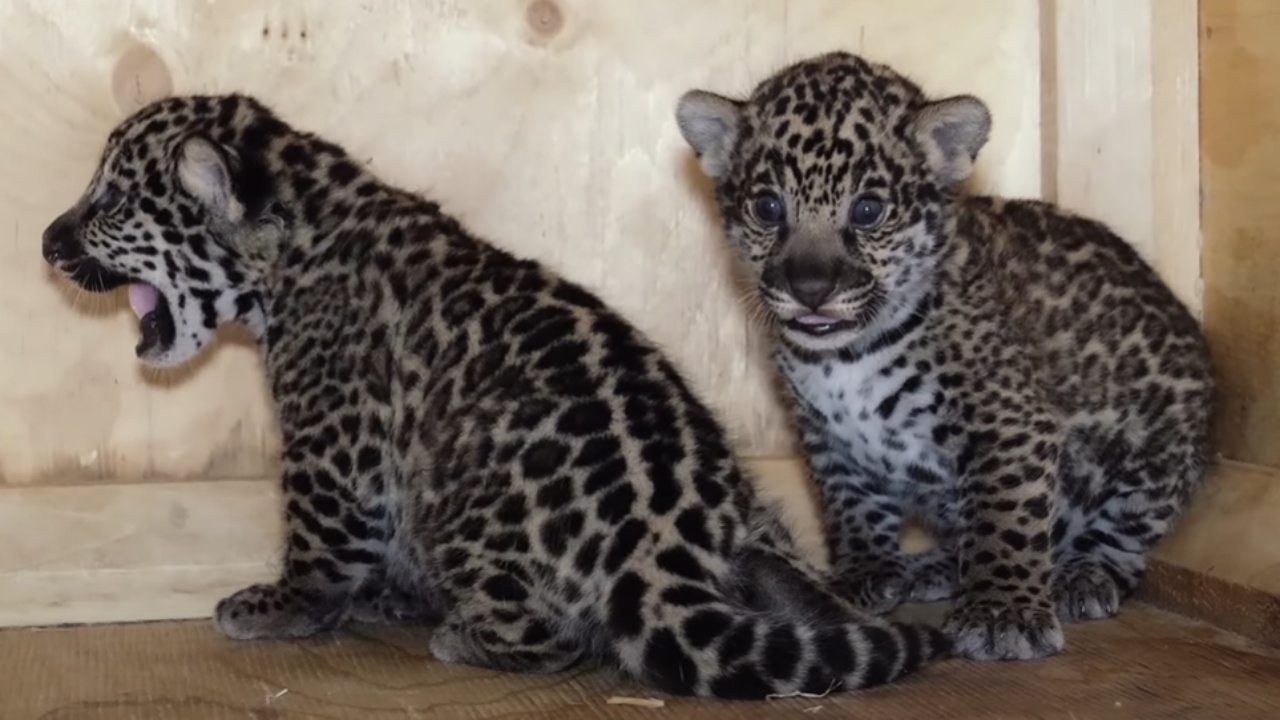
(143, 299)
(815, 319)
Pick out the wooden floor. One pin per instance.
(1144, 665)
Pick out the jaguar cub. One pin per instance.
(468, 439)
(1015, 376)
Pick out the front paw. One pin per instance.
(877, 587)
(272, 612)
(990, 629)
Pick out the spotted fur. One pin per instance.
(468, 439)
(1012, 374)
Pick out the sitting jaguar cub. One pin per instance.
(1015, 376)
(467, 438)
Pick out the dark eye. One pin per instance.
(110, 198)
(867, 212)
(768, 209)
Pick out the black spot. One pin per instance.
(616, 504)
(666, 491)
(299, 482)
(624, 543)
(555, 494)
(667, 664)
(1014, 539)
(542, 458)
(559, 530)
(326, 505)
(512, 511)
(536, 633)
(588, 554)
(692, 524)
(625, 601)
(607, 474)
(739, 643)
(504, 588)
(679, 561)
(343, 172)
(704, 626)
(357, 527)
(585, 418)
(368, 459)
(686, 595)
(575, 295)
(597, 450)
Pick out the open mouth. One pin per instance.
(155, 319)
(818, 325)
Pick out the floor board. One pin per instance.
(1144, 665)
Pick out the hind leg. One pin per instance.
(1102, 566)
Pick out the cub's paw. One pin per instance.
(934, 576)
(272, 612)
(989, 629)
(1083, 590)
(877, 587)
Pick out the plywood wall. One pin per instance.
(545, 124)
(1240, 123)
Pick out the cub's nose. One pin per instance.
(811, 283)
(59, 241)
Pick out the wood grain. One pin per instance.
(547, 125)
(1120, 133)
(1240, 127)
(1143, 665)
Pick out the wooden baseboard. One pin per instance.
(151, 551)
(170, 550)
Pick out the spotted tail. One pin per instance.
(698, 642)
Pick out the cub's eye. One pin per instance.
(867, 212)
(768, 209)
(110, 199)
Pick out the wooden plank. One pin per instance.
(1236, 608)
(153, 551)
(1229, 532)
(1120, 134)
(1240, 121)
(547, 125)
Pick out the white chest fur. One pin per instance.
(878, 412)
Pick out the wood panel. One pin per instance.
(1121, 139)
(547, 125)
(1240, 126)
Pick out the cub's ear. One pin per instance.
(203, 172)
(951, 132)
(710, 124)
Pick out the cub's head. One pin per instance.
(835, 180)
(175, 211)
